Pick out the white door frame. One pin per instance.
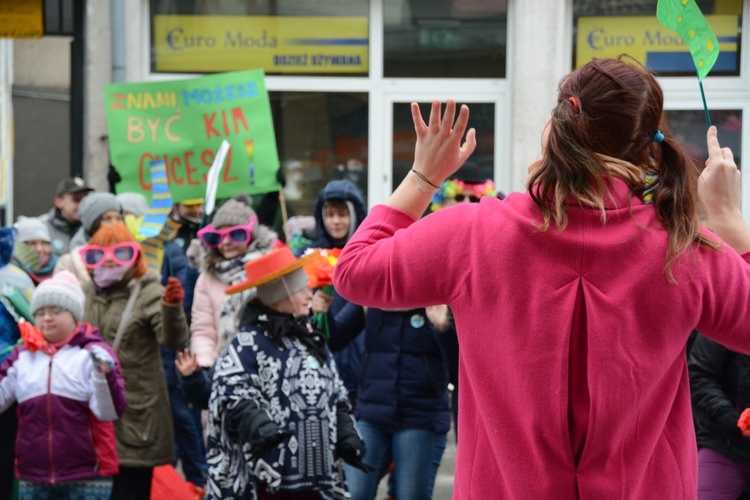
(381, 132)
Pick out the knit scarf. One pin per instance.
(279, 325)
(37, 272)
(230, 272)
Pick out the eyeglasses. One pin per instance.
(123, 254)
(241, 235)
(52, 312)
(461, 197)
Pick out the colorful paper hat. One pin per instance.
(269, 267)
(194, 201)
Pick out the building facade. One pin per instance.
(342, 73)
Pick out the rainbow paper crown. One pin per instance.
(452, 187)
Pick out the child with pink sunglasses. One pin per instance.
(233, 238)
(136, 315)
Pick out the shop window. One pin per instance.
(445, 38)
(689, 127)
(482, 118)
(320, 136)
(614, 27)
(283, 37)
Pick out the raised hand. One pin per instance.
(439, 151)
(719, 185)
(438, 154)
(103, 361)
(186, 363)
(173, 292)
(719, 189)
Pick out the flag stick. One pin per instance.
(705, 106)
(284, 218)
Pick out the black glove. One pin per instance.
(729, 427)
(349, 444)
(253, 425)
(352, 453)
(267, 436)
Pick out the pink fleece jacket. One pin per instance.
(573, 373)
(205, 317)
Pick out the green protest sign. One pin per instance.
(183, 122)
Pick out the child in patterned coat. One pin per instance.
(279, 413)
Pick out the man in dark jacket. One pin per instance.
(188, 429)
(720, 389)
(63, 220)
(189, 214)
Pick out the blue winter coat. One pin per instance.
(174, 264)
(339, 190)
(9, 333)
(404, 379)
(347, 342)
(16, 279)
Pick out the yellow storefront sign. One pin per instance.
(647, 40)
(21, 19)
(277, 44)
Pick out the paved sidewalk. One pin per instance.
(444, 481)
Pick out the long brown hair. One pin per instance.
(612, 107)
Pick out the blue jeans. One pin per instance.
(416, 454)
(188, 432)
(91, 489)
(188, 436)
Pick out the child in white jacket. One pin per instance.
(69, 387)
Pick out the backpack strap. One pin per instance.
(126, 314)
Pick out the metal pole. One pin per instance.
(6, 132)
(77, 87)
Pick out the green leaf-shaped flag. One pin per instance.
(685, 18)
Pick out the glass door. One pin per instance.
(488, 115)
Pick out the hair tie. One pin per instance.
(574, 102)
(658, 137)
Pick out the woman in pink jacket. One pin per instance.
(233, 238)
(593, 280)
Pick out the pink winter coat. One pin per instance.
(205, 316)
(573, 372)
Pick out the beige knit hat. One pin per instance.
(235, 211)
